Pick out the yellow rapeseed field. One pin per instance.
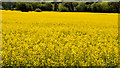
(59, 39)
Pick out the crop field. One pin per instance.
(59, 38)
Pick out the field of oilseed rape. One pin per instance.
(59, 39)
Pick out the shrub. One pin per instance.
(38, 10)
(13, 9)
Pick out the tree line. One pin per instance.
(111, 7)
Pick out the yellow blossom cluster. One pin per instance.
(59, 39)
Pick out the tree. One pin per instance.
(62, 8)
(47, 6)
(69, 5)
(105, 7)
(114, 6)
(24, 7)
(81, 7)
(96, 7)
(36, 5)
(6, 5)
(55, 6)
(0, 5)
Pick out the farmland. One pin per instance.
(59, 38)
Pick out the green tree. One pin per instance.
(36, 5)
(55, 6)
(69, 5)
(105, 7)
(6, 5)
(0, 5)
(47, 6)
(24, 7)
(62, 8)
(81, 7)
(114, 6)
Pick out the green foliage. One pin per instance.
(38, 10)
(36, 5)
(47, 6)
(114, 6)
(102, 7)
(69, 5)
(88, 7)
(62, 8)
(105, 7)
(24, 7)
(55, 6)
(81, 7)
(0, 5)
(6, 6)
(74, 4)
(96, 7)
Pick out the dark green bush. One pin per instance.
(13, 9)
(38, 10)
